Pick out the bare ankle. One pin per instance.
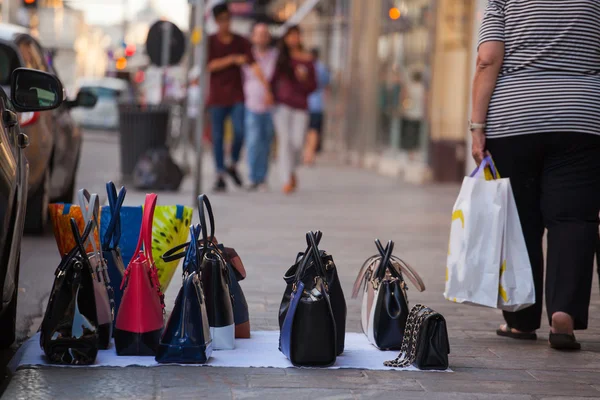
(562, 323)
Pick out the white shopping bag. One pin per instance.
(488, 263)
(516, 290)
(476, 240)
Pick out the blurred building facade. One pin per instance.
(402, 69)
(75, 49)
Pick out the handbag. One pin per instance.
(170, 227)
(60, 218)
(425, 344)
(237, 272)
(385, 301)
(186, 338)
(102, 290)
(216, 279)
(110, 242)
(140, 320)
(336, 294)
(69, 330)
(308, 333)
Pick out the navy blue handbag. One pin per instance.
(186, 338)
(308, 332)
(110, 241)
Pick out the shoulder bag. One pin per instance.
(140, 320)
(308, 333)
(69, 330)
(336, 294)
(425, 343)
(90, 207)
(216, 280)
(186, 338)
(385, 301)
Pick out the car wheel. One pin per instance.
(8, 320)
(36, 217)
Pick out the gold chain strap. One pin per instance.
(408, 350)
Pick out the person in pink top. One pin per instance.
(258, 124)
(293, 81)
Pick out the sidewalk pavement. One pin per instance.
(352, 207)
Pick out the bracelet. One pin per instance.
(474, 126)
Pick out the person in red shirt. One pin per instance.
(293, 81)
(227, 53)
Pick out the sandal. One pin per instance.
(563, 341)
(515, 335)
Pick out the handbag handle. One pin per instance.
(203, 203)
(112, 236)
(397, 267)
(191, 254)
(145, 237)
(79, 246)
(90, 208)
(386, 255)
(312, 238)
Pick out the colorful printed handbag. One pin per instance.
(169, 229)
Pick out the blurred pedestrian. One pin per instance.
(258, 120)
(413, 111)
(316, 107)
(227, 53)
(294, 79)
(536, 109)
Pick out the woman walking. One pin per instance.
(293, 81)
(536, 110)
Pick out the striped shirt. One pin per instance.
(550, 78)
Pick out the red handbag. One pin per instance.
(140, 319)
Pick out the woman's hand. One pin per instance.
(478, 150)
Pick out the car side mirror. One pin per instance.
(84, 99)
(33, 90)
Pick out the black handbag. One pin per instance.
(216, 279)
(336, 294)
(385, 302)
(308, 332)
(186, 338)
(425, 344)
(69, 330)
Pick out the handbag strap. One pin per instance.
(408, 350)
(191, 254)
(362, 275)
(112, 236)
(204, 203)
(145, 237)
(90, 208)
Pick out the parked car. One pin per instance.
(110, 92)
(32, 91)
(55, 138)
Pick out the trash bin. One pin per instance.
(141, 127)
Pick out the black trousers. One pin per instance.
(556, 183)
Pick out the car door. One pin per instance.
(13, 196)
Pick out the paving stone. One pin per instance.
(292, 393)
(399, 395)
(531, 388)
